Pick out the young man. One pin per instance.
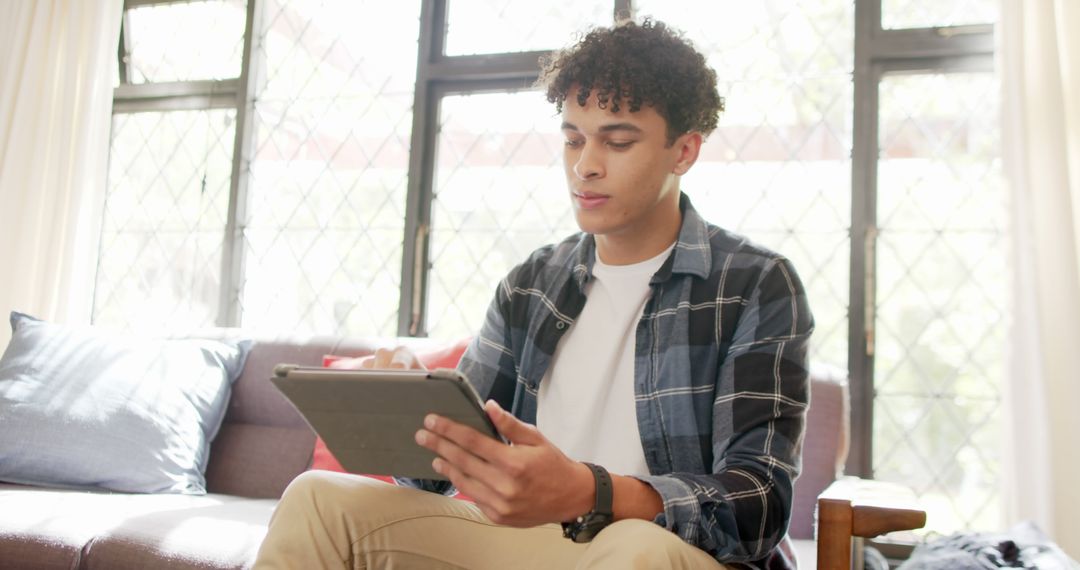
(650, 372)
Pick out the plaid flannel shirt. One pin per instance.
(720, 376)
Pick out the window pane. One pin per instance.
(188, 41)
(499, 194)
(164, 223)
(941, 295)
(326, 195)
(496, 26)
(778, 167)
(937, 13)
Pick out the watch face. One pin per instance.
(589, 526)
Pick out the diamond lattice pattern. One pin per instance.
(164, 222)
(211, 33)
(941, 297)
(499, 194)
(498, 26)
(326, 197)
(936, 13)
(777, 169)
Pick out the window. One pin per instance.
(940, 295)
(373, 168)
(171, 160)
(898, 14)
(165, 218)
(331, 115)
(153, 31)
(501, 26)
(499, 193)
(778, 167)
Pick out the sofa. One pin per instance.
(263, 443)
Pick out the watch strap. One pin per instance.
(604, 491)
(586, 526)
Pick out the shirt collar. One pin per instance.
(692, 254)
(693, 251)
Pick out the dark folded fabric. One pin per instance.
(1022, 546)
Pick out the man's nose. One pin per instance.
(589, 164)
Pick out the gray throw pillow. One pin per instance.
(80, 407)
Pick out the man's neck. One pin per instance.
(629, 248)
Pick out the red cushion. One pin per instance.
(445, 357)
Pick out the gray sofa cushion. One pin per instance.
(264, 443)
(44, 528)
(225, 534)
(26, 547)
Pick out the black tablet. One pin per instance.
(369, 418)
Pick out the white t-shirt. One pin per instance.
(586, 404)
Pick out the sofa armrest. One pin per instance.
(853, 507)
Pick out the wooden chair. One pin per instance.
(853, 508)
(829, 510)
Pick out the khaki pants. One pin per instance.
(331, 520)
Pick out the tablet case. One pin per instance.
(369, 418)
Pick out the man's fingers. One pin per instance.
(456, 455)
(381, 358)
(403, 358)
(476, 443)
(510, 427)
(392, 358)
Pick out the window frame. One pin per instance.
(879, 52)
(439, 75)
(233, 93)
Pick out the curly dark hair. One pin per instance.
(638, 64)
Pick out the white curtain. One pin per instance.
(56, 76)
(1040, 64)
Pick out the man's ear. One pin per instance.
(688, 146)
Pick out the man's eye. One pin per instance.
(617, 145)
(573, 143)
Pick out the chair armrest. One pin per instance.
(853, 507)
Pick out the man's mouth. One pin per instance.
(590, 200)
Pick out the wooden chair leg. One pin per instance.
(834, 542)
(853, 507)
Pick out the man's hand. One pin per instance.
(524, 484)
(400, 357)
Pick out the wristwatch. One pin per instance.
(585, 527)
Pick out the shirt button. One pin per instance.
(560, 325)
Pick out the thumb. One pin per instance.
(404, 358)
(513, 429)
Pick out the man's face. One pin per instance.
(622, 173)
